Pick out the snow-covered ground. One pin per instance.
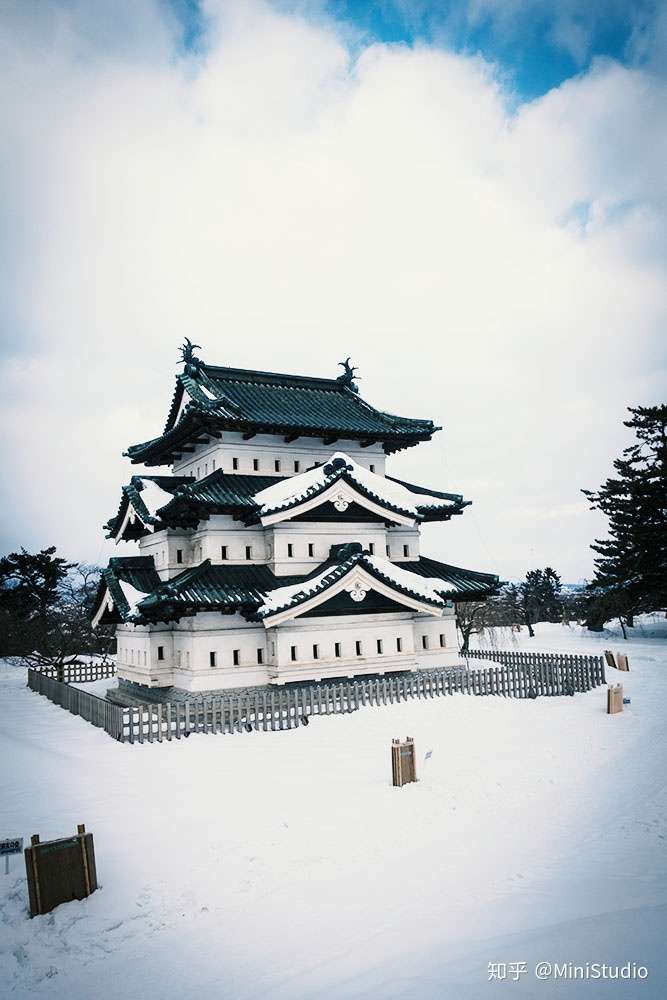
(284, 865)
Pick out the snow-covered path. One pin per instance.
(283, 865)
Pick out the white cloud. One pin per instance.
(286, 206)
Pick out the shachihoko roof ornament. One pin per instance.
(347, 378)
(192, 363)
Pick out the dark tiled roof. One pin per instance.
(254, 401)
(423, 490)
(138, 571)
(219, 493)
(231, 493)
(459, 583)
(209, 587)
(131, 494)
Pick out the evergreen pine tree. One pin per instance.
(631, 564)
(539, 597)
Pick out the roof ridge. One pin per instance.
(258, 375)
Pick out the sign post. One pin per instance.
(403, 763)
(13, 845)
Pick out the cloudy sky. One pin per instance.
(466, 197)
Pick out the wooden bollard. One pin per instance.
(614, 699)
(609, 657)
(622, 661)
(403, 762)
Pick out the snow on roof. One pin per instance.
(296, 488)
(282, 597)
(153, 496)
(426, 588)
(132, 596)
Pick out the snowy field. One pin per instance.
(284, 865)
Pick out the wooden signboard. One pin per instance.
(614, 699)
(403, 763)
(609, 657)
(622, 661)
(60, 870)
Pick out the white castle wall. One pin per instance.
(271, 546)
(187, 647)
(268, 449)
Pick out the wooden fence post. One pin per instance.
(403, 763)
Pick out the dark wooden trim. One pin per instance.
(291, 437)
(249, 434)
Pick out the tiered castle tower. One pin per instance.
(278, 549)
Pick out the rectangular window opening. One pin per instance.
(358, 647)
(212, 658)
(179, 555)
(371, 548)
(379, 645)
(372, 468)
(399, 645)
(235, 463)
(292, 652)
(316, 652)
(260, 656)
(290, 550)
(276, 465)
(388, 553)
(443, 641)
(236, 657)
(311, 549)
(406, 550)
(255, 464)
(223, 551)
(248, 551)
(424, 642)
(337, 649)
(297, 466)
(160, 652)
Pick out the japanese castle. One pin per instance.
(278, 548)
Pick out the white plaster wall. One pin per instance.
(325, 632)
(163, 546)
(321, 535)
(268, 545)
(397, 537)
(196, 638)
(434, 654)
(222, 529)
(187, 646)
(266, 449)
(138, 654)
